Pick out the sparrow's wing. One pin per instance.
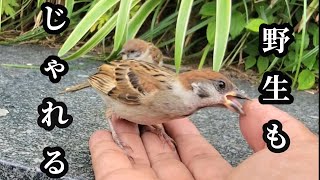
(150, 77)
(128, 81)
(104, 80)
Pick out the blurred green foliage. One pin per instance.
(212, 32)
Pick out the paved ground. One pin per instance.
(22, 140)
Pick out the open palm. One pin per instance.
(195, 158)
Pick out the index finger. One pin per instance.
(257, 115)
(106, 156)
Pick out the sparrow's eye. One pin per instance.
(221, 84)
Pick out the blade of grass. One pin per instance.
(181, 28)
(288, 10)
(21, 66)
(139, 18)
(241, 45)
(122, 24)
(304, 58)
(80, 11)
(204, 56)
(39, 2)
(17, 12)
(195, 43)
(95, 39)
(236, 48)
(246, 9)
(223, 20)
(274, 61)
(155, 15)
(30, 35)
(0, 13)
(189, 31)
(311, 8)
(85, 24)
(163, 25)
(303, 22)
(69, 5)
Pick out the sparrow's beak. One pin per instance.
(231, 102)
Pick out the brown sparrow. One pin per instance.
(137, 49)
(147, 94)
(141, 50)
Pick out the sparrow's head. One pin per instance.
(134, 49)
(213, 89)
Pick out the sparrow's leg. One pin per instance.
(164, 137)
(115, 136)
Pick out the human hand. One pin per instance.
(195, 158)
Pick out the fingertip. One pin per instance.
(249, 105)
(104, 150)
(258, 114)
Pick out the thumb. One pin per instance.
(257, 115)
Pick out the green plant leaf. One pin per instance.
(121, 27)
(190, 31)
(161, 27)
(261, 8)
(304, 36)
(250, 62)
(8, 7)
(298, 38)
(85, 24)
(69, 6)
(306, 80)
(316, 67)
(252, 49)
(312, 27)
(292, 56)
(292, 64)
(254, 24)
(309, 62)
(208, 9)
(211, 31)
(238, 23)
(139, 18)
(223, 20)
(204, 56)
(262, 64)
(181, 28)
(95, 39)
(316, 37)
(0, 13)
(313, 6)
(39, 3)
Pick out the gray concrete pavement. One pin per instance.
(22, 140)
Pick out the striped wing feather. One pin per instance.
(128, 80)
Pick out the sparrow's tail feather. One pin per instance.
(76, 87)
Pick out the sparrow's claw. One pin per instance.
(120, 143)
(163, 136)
